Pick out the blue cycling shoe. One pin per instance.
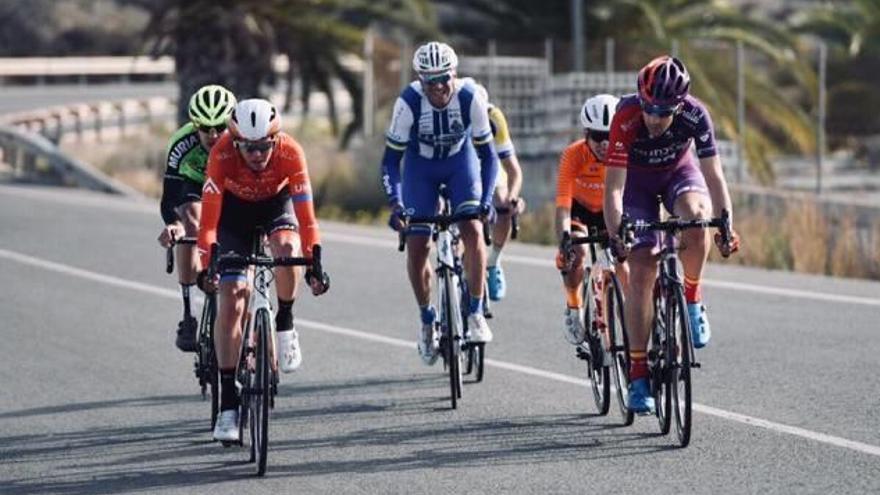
(700, 330)
(640, 399)
(497, 284)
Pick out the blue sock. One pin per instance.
(476, 305)
(428, 314)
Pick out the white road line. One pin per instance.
(80, 198)
(712, 411)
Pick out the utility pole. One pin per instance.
(577, 34)
(820, 125)
(369, 119)
(740, 111)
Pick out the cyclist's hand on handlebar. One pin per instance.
(730, 247)
(207, 284)
(564, 255)
(488, 213)
(397, 218)
(318, 284)
(619, 248)
(171, 233)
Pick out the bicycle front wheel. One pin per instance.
(597, 370)
(679, 350)
(660, 369)
(259, 391)
(619, 346)
(455, 329)
(207, 356)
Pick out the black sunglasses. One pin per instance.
(659, 110)
(254, 146)
(598, 136)
(436, 79)
(208, 128)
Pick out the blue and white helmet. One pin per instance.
(435, 57)
(597, 112)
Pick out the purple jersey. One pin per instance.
(630, 145)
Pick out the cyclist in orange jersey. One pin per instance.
(256, 178)
(579, 193)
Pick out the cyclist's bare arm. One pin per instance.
(615, 179)
(514, 176)
(718, 192)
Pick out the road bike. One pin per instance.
(605, 349)
(671, 354)
(205, 366)
(452, 297)
(257, 370)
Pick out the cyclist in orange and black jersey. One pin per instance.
(579, 194)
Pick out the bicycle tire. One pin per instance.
(453, 338)
(679, 347)
(619, 346)
(660, 370)
(208, 355)
(597, 372)
(480, 357)
(259, 385)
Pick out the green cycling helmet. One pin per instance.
(211, 105)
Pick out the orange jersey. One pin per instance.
(581, 178)
(227, 172)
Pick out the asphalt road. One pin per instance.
(96, 399)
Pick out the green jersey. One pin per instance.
(186, 155)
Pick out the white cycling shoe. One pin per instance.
(429, 344)
(288, 350)
(574, 329)
(226, 429)
(478, 328)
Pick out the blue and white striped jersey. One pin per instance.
(434, 133)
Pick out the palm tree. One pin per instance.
(852, 31)
(234, 42)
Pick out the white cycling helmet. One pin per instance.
(597, 112)
(254, 119)
(435, 57)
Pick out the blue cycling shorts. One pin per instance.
(422, 178)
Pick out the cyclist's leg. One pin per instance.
(463, 181)
(233, 235)
(189, 210)
(420, 191)
(640, 203)
(688, 197)
(572, 281)
(500, 234)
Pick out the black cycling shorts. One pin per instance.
(240, 219)
(189, 192)
(585, 220)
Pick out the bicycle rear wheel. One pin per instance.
(597, 370)
(619, 346)
(679, 350)
(258, 390)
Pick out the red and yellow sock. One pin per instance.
(692, 292)
(638, 365)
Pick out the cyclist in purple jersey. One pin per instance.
(649, 157)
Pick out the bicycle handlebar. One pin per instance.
(514, 217)
(443, 222)
(169, 252)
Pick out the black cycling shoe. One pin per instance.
(186, 335)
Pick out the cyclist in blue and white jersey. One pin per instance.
(435, 122)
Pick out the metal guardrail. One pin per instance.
(29, 140)
(32, 155)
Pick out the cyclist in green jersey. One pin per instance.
(181, 206)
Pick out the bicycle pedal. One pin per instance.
(695, 365)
